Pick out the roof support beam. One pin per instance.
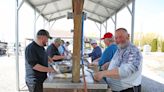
(57, 11)
(57, 18)
(132, 12)
(100, 33)
(94, 20)
(107, 11)
(121, 1)
(57, 8)
(52, 25)
(44, 3)
(105, 25)
(21, 5)
(47, 23)
(95, 7)
(34, 7)
(77, 6)
(97, 26)
(114, 21)
(100, 30)
(36, 18)
(128, 8)
(44, 22)
(50, 16)
(94, 13)
(100, 19)
(41, 12)
(112, 8)
(119, 9)
(106, 28)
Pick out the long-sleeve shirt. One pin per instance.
(96, 53)
(61, 49)
(107, 54)
(129, 63)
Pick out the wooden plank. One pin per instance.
(77, 15)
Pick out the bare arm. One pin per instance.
(114, 73)
(41, 68)
(96, 60)
(50, 60)
(55, 57)
(105, 66)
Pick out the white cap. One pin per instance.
(93, 41)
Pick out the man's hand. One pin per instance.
(57, 57)
(86, 55)
(99, 75)
(51, 70)
(50, 60)
(105, 66)
(94, 63)
(96, 60)
(107, 73)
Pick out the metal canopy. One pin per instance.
(51, 10)
(97, 10)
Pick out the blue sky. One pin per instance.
(148, 18)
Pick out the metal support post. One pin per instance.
(17, 44)
(132, 22)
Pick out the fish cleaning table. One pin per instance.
(58, 83)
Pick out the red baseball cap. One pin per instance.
(107, 35)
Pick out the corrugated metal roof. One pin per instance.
(97, 10)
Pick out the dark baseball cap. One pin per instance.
(44, 32)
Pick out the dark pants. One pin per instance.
(37, 87)
(133, 89)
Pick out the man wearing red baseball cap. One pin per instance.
(108, 53)
(107, 35)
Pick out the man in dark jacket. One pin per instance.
(36, 64)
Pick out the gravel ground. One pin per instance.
(149, 85)
(153, 73)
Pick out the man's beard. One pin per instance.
(123, 45)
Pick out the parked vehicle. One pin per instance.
(3, 48)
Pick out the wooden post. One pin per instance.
(77, 6)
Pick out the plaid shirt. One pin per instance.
(129, 63)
